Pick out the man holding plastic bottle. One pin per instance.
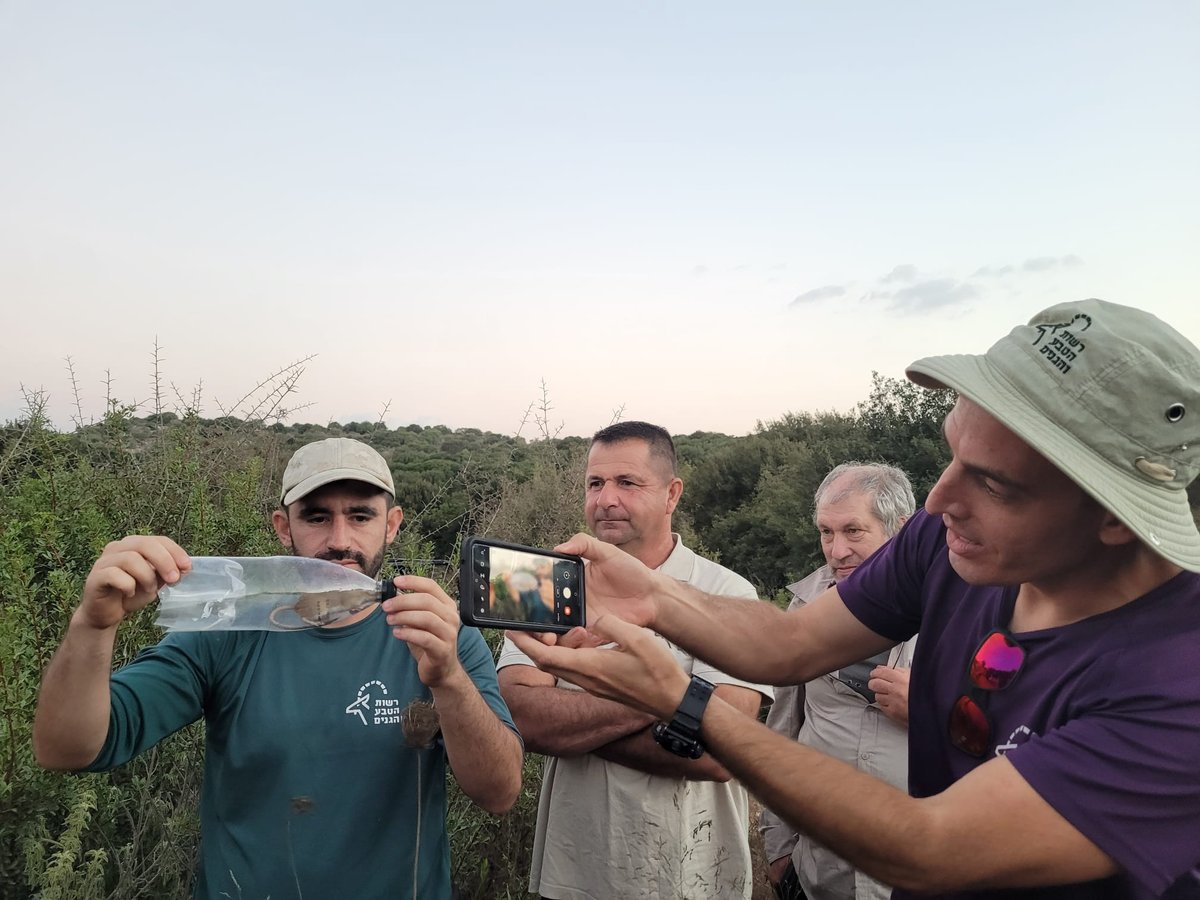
(316, 783)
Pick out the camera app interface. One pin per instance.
(515, 586)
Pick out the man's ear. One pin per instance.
(1114, 532)
(395, 516)
(674, 492)
(283, 527)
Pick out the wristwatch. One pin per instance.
(681, 735)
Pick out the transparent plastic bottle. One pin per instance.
(268, 593)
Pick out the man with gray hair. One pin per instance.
(858, 713)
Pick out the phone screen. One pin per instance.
(523, 588)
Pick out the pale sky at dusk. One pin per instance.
(708, 214)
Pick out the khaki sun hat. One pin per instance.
(1111, 396)
(334, 459)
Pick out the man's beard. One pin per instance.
(370, 567)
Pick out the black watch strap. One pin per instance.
(681, 735)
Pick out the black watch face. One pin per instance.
(689, 748)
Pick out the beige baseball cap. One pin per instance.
(334, 459)
(1111, 396)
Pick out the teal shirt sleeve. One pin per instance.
(476, 658)
(162, 690)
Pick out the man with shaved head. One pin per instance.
(619, 815)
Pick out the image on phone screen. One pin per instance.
(523, 588)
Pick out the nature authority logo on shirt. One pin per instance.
(373, 706)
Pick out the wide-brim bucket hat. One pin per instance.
(1111, 396)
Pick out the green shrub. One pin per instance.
(209, 485)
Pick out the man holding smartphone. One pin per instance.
(619, 815)
(324, 768)
(1055, 693)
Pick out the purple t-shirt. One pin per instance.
(1103, 721)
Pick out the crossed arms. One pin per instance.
(561, 721)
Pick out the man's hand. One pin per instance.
(776, 869)
(127, 576)
(426, 619)
(615, 581)
(638, 671)
(890, 685)
(484, 755)
(577, 638)
(71, 721)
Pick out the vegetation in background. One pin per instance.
(211, 483)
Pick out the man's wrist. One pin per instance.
(84, 627)
(681, 735)
(455, 681)
(671, 596)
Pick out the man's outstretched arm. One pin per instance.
(990, 829)
(640, 750)
(71, 721)
(729, 633)
(565, 722)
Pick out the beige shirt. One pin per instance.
(606, 831)
(828, 715)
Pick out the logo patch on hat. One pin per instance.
(1059, 343)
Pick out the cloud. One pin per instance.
(828, 292)
(933, 294)
(1036, 265)
(1049, 263)
(904, 290)
(699, 271)
(989, 272)
(905, 272)
(876, 294)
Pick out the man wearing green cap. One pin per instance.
(324, 771)
(1054, 703)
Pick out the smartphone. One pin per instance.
(502, 585)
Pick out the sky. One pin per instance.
(701, 214)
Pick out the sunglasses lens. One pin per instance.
(969, 728)
(996, 662)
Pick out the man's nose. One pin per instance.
(942, 496)
(339, 533)
(608, 495)
(840, 548)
